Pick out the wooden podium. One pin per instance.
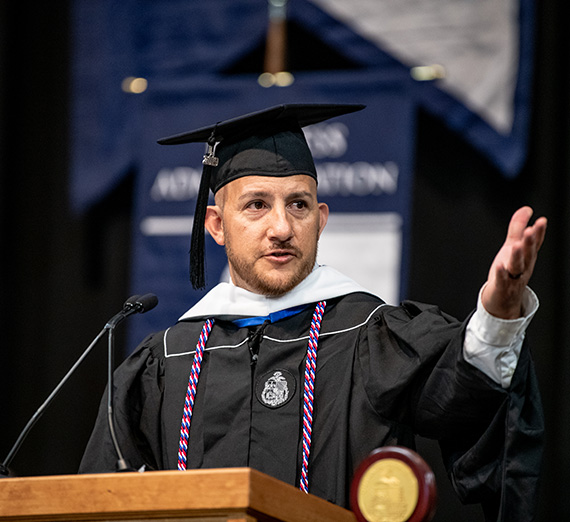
(217, 495)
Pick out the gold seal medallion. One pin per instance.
(388, 491)
(393, 484)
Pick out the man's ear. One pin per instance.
(323, 216)
(214, 224)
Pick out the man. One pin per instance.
(297, 371)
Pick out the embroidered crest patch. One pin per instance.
(275, 388)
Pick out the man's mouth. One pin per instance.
(281, 254)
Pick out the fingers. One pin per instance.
(518, 223)
(519, 228)
(533, 237)
(525, 242)
(518, 261)
(539, 231)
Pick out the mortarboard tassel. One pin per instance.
(197, 243)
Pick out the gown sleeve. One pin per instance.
(501, 469)
(491, 438)
(136, 405)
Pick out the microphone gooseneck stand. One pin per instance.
(136, 304)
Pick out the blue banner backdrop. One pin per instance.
(184, 50)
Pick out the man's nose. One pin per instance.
(280, 225)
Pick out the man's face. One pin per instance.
(270, 228)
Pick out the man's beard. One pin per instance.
(268, 286)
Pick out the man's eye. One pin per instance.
(299, 205)
(256, 205)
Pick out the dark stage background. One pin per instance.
(62, 276)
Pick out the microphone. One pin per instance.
(143, 303)
(134, 304)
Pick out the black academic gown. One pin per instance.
(384, 373)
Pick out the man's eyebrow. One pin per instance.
(300, 194)
(254, 194)
(266, 194)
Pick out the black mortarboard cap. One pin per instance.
(264, 143)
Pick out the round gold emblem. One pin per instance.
(388, 491)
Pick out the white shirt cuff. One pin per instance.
(493, 345)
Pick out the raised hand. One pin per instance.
(513, 265)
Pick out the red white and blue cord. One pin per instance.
(309, 392)
(191, 394)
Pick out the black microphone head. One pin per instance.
(131, 302)
(146, 302)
